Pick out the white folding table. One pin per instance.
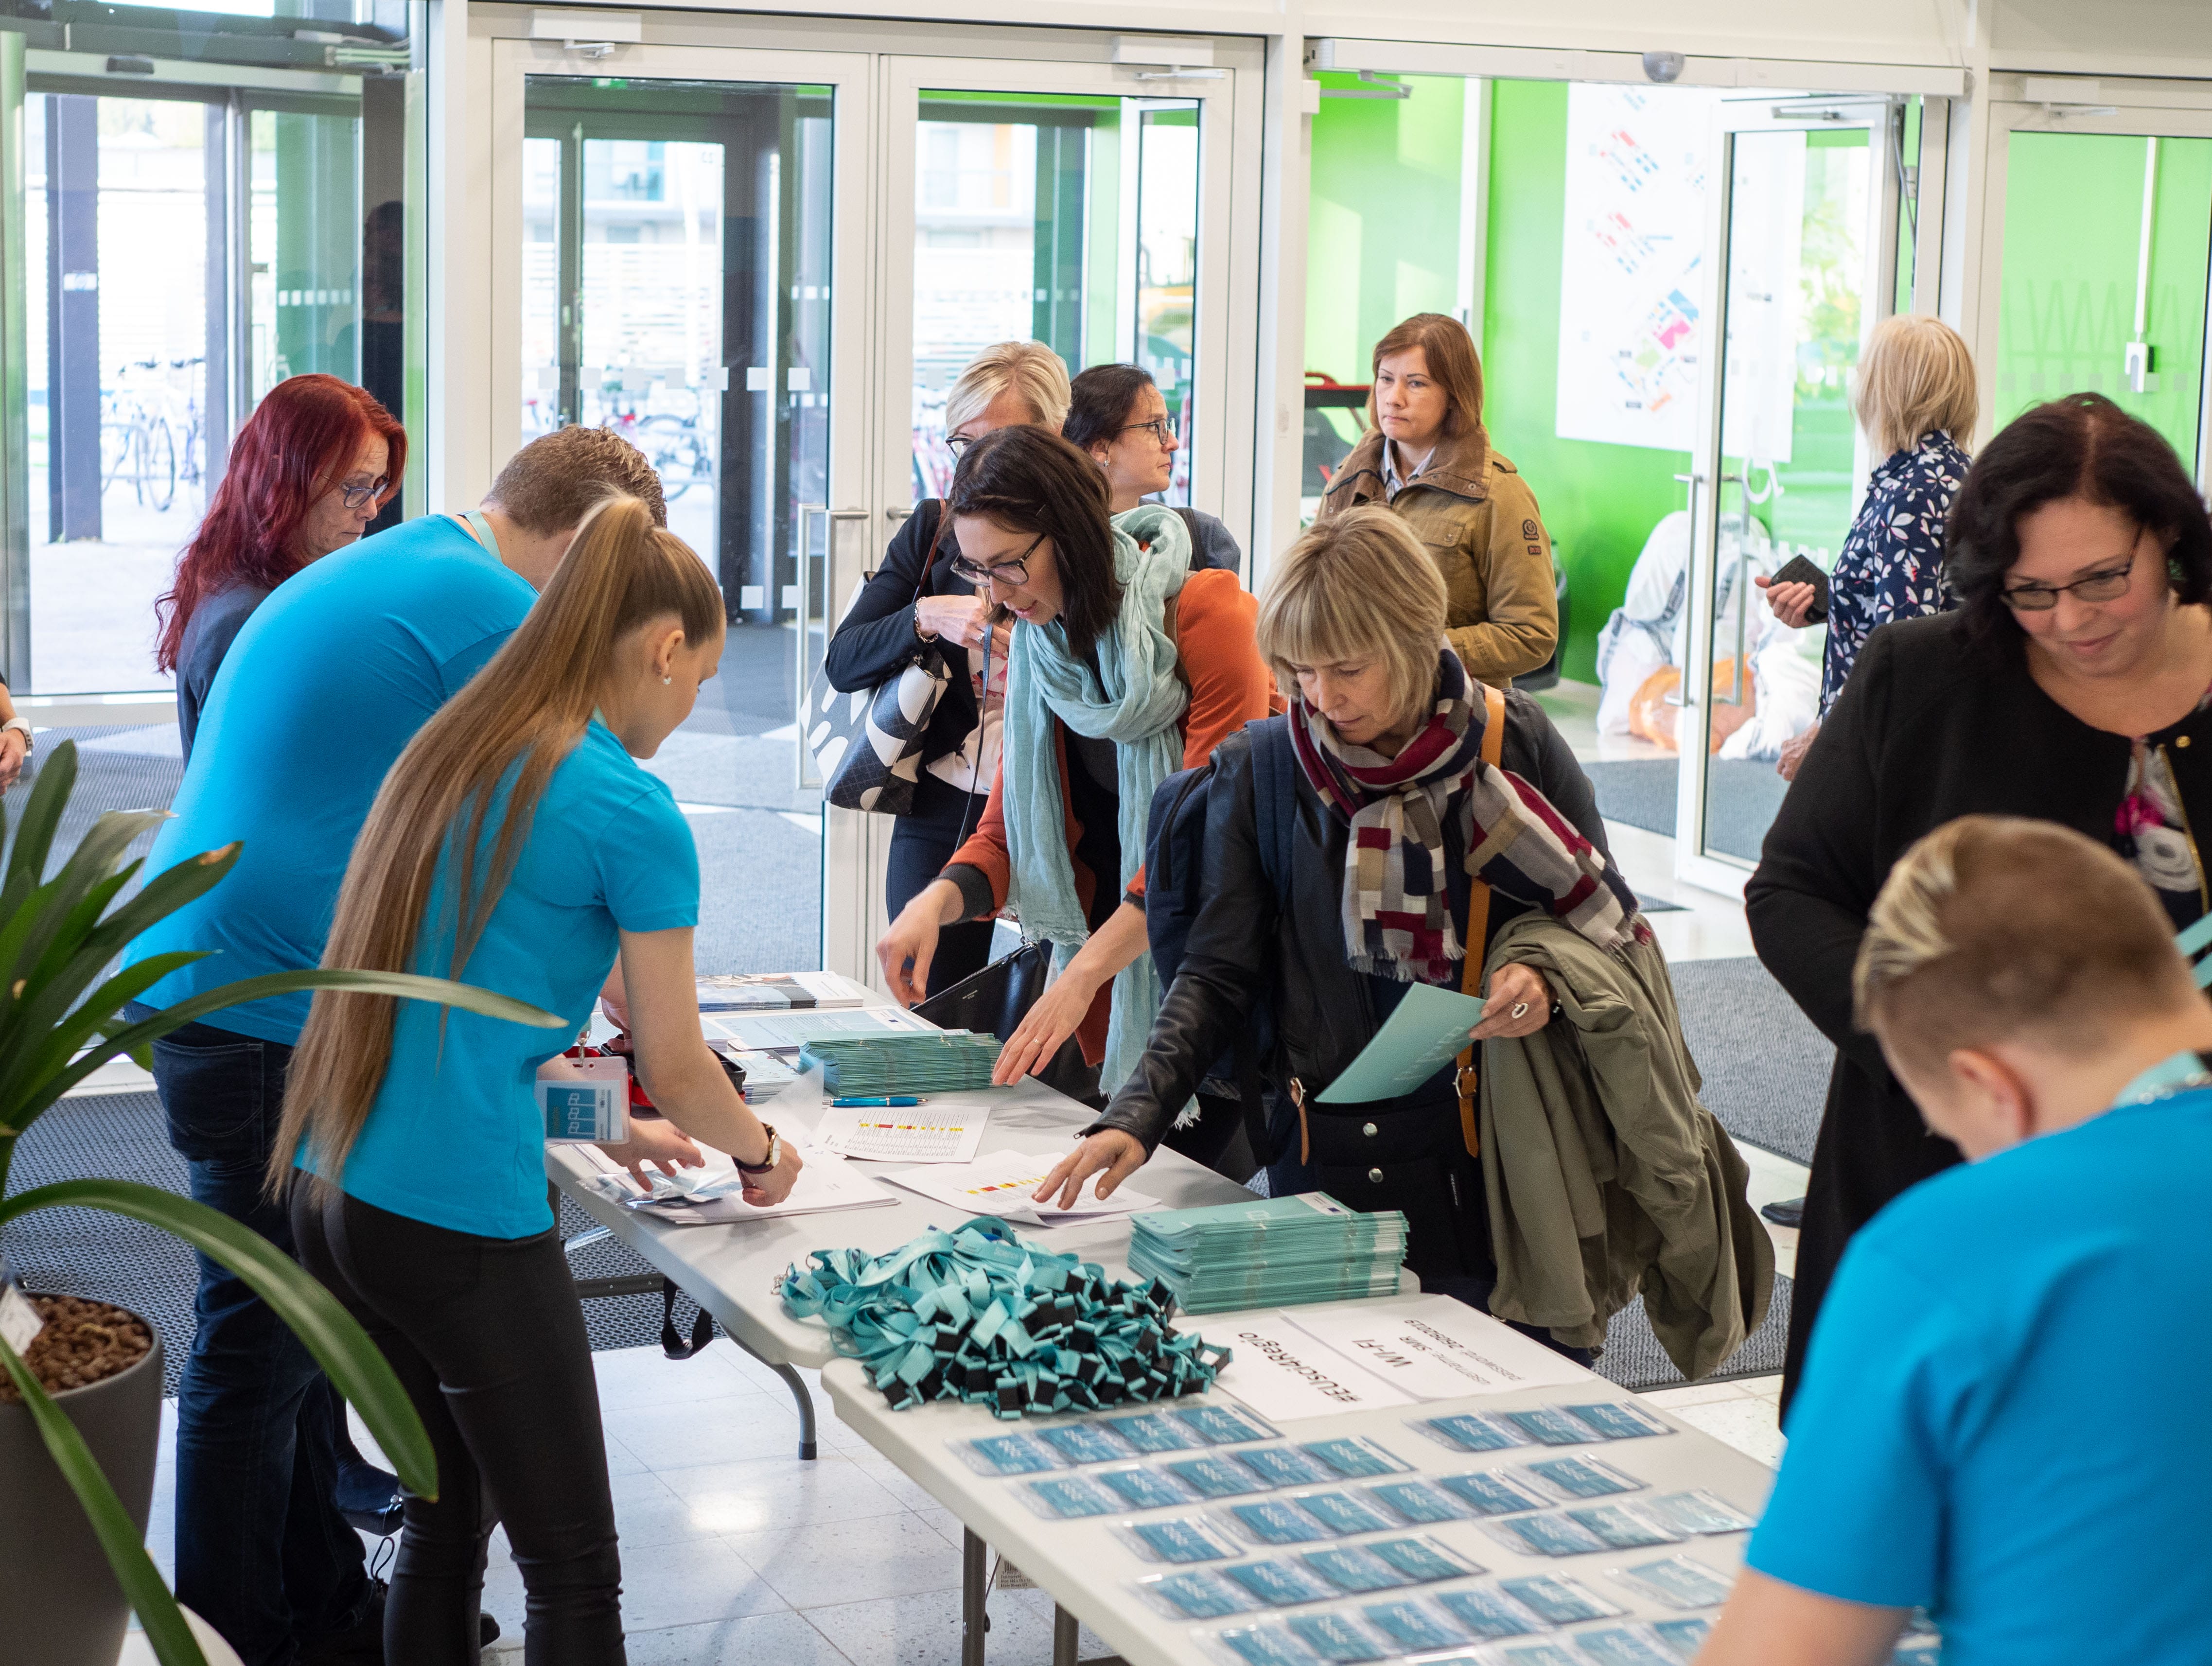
(1091, 1573)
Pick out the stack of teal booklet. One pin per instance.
(901, 1061)
(1271, 1252)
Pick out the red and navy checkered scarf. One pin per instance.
(1397, 902)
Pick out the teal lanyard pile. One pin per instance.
(980, 1315)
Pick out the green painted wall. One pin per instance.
(1383, 236)
(2073, 226)
(1600, 502)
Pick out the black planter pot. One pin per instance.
(69, 1609)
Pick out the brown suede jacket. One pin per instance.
(1480, 525)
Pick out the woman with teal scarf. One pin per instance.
(1126, 666)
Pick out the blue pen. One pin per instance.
(842, 1104)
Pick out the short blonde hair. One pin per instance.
(1995, 928)
(1357, 586)
(1916, 377)
(1032, 370)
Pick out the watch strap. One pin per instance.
(775, 1152)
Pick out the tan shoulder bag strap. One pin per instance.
(1478, 924)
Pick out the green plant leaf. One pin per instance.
(340, 1346)
(99, 1015)
(35, 1093)
(50, 796)
(166, 1627)
(95, 858)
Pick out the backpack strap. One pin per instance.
(1275, 816)
(1478, 924)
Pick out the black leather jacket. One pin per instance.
(1243, 946)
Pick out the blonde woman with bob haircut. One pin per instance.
(1382, 740)
(517, 844)
(1917, 405)
(1427, 456)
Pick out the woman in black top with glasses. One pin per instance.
(2074, 685)
(1117, 414)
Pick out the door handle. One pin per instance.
(897, 514)
(814, 581)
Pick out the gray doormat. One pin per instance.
(89, 1252)
(1741, 799)
(1765, 1067)
(1633, 1357)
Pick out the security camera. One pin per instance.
(1662, 66)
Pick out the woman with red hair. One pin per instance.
(309, 471)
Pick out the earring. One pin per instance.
(666, 680)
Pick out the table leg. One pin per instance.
(974, 1621)
(1063, 1637)
(799, 1397)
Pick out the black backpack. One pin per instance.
(1175, 860)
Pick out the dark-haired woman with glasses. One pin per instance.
(1117, 413)
(1127, 666)
(314, 464)
(2074, 685)
(913, 601)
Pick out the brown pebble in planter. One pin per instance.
(83, 1342)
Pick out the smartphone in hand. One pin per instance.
(1799, 571)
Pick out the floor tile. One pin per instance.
(893, 1479)
(778, 1492)
(630, 1378)
(1696, 1393)
(689, 1434)
(881, 1556)
(683, 1584)
(1746, 1423)
(763, 1640)
(945, 1522)
(925, 1630)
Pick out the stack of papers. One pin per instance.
(776, 992)
(712, 1195)
(1278, 1253)
(1000, 1183)
(930, 1061)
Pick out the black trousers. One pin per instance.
(488, 1339)
(921, 844)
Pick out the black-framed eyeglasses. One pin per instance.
(2107, 584)
(1016, 571)
(1159, 427)
(356, 497)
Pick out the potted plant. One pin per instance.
(61, 1019)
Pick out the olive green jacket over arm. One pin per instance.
(1479, 520)
(1605, 1175)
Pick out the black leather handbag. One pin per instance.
(996, 1000)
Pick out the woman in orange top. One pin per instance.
(1126, 666)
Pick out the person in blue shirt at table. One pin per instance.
(518, 844)
(2003, 1420)
(320, 691)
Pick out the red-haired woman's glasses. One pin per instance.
(356, 496)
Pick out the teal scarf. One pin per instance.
(1135, 700)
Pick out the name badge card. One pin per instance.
(585, 1101)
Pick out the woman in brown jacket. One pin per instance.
(1426, 455)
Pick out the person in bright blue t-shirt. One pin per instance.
(320, 692)
(2003, 1418)
(515, 845)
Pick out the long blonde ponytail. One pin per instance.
(521, 715)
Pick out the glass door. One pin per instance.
(680, 249)
(1081, 206)
(2099, 220)
(1801, 243)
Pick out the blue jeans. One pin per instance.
(262, 1555)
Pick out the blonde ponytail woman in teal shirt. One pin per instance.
(518, 845)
